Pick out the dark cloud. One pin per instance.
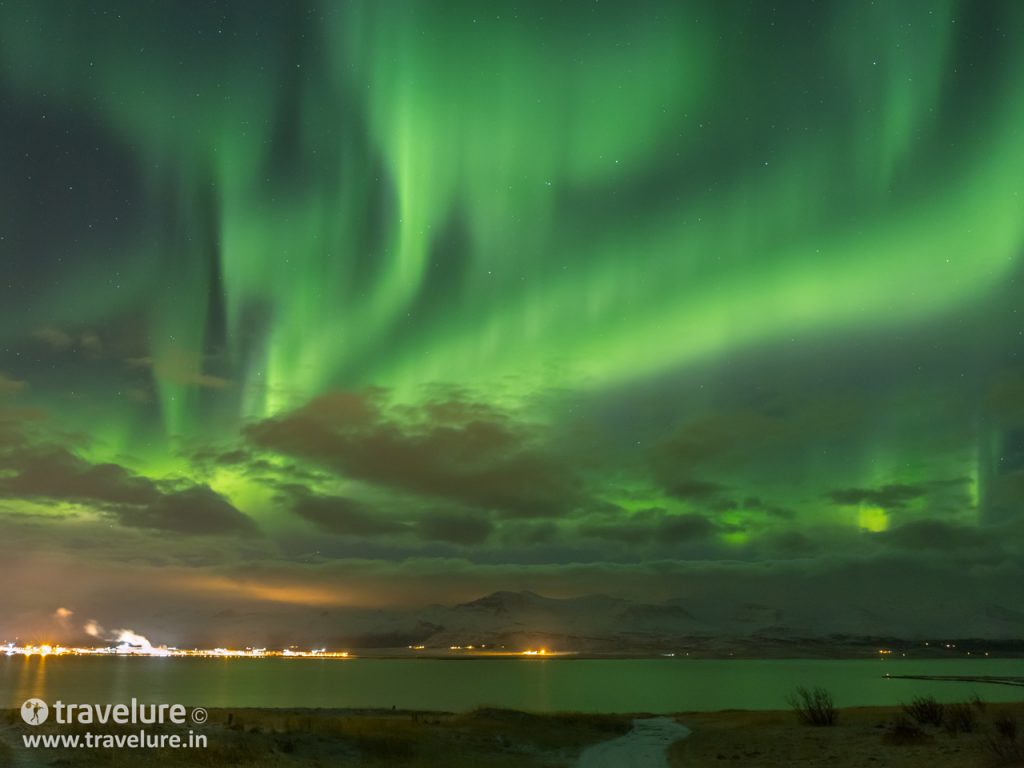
(789, 544)
(749, 446)
(282, 477)
(228, 458)
(11, 386)
(936, 535)
(756, 503)
(49, 472)
(951, 497)
(53, 337)
(454, 407)
(179, 367)
(455, 528)
(737, 437)
(653, 526)
(620, 532)
(87, 342)
(343, 516)
(1004, 495)
(56, 473)
(1005, 402)
(195, 510)
(679, 528)
(887, 497)
(90, 343)
(723, 505)
(529, 533)
(720, 440)
(952, 482)
(473, 455)
(15, 426)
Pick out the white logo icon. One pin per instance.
(35, 711)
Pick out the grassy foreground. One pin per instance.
(861, 738)
(255, 738)
(250, 738)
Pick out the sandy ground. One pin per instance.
(643, 747)
(310, 738)
(863, 738)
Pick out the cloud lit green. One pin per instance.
(515, 283)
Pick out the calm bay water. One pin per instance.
(540, 685)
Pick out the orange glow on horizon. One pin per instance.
(292, 595)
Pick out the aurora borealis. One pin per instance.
(334, 304)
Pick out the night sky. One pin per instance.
(312, 306)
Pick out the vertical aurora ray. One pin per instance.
(517, 200)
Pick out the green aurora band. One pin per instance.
(553, 209)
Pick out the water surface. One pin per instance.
(540, 685)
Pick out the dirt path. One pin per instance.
(642, 747)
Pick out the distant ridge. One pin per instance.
(600, 623)
(603, 624)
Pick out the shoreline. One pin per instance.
(441, 655)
